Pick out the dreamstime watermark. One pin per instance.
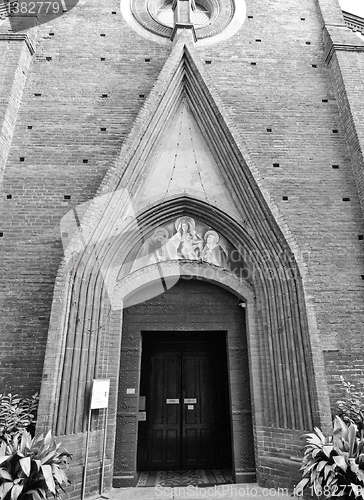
(219, 491)
(26, 14)
(104, 232)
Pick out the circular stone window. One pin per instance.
(200, 16)
(213, 20)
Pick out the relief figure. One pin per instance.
(153, 250)
(212, 252)
(186, 243)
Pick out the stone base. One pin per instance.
(124, 481)
(245, 477)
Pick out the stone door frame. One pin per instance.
(130, 356)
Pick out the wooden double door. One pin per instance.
(185, 389)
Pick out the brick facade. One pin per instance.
(287, 86)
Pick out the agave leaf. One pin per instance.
(340, 425)
(327, 469)
(35, 495)
(59, 475)
(4, 459)
(313, 476)
(4, 489)
(47, 474)
(16, 491)
(38, 463)
(48, 437)
(300, 486)
(27, 440)
(355, 489)
(25, 464)
(320, 434)
(327, 449)
(360, 475)
(352, 430)
(49, 456)
(331, 482)
(38, 440)
(309, 467)
(353, 465)
(42, 493)
(5, 474)
(321, 465)
(360, 446)
(315, 439)
(341, 462)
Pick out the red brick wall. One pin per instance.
(283, 92)
(66, 125)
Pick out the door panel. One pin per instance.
(197, 418)
(186, 398)
(165, 424)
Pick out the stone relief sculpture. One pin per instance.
(153, 250)
(212, 252)
(186, 243)
(183, 239)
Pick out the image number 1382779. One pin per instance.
(25, 14)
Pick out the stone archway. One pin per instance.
(86, 334)
(289, 390)
(196, 305)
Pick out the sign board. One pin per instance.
(172, 401)
(142, 416)
(100, 394)
(190, 400)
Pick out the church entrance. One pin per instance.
(185, 389)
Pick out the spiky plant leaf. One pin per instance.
(341, 462)
(301, 485)
(5, 474)
(4, 489)
(25, 464)
(327, 449)
(48, 437)
(327, 469)
(47, 474)
(16, 491)
(352, 430)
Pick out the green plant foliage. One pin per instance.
(352, 405)
(334, 466)
(32, 467)
(17, 413)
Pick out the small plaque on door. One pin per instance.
(190, 400)
(172, 401)
(142, 403)
(142, 416)
(190, 407)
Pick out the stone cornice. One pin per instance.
(340, 38)
(354, 22)
(335, 47)
(18, 37)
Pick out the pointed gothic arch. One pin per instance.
(85, 329)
